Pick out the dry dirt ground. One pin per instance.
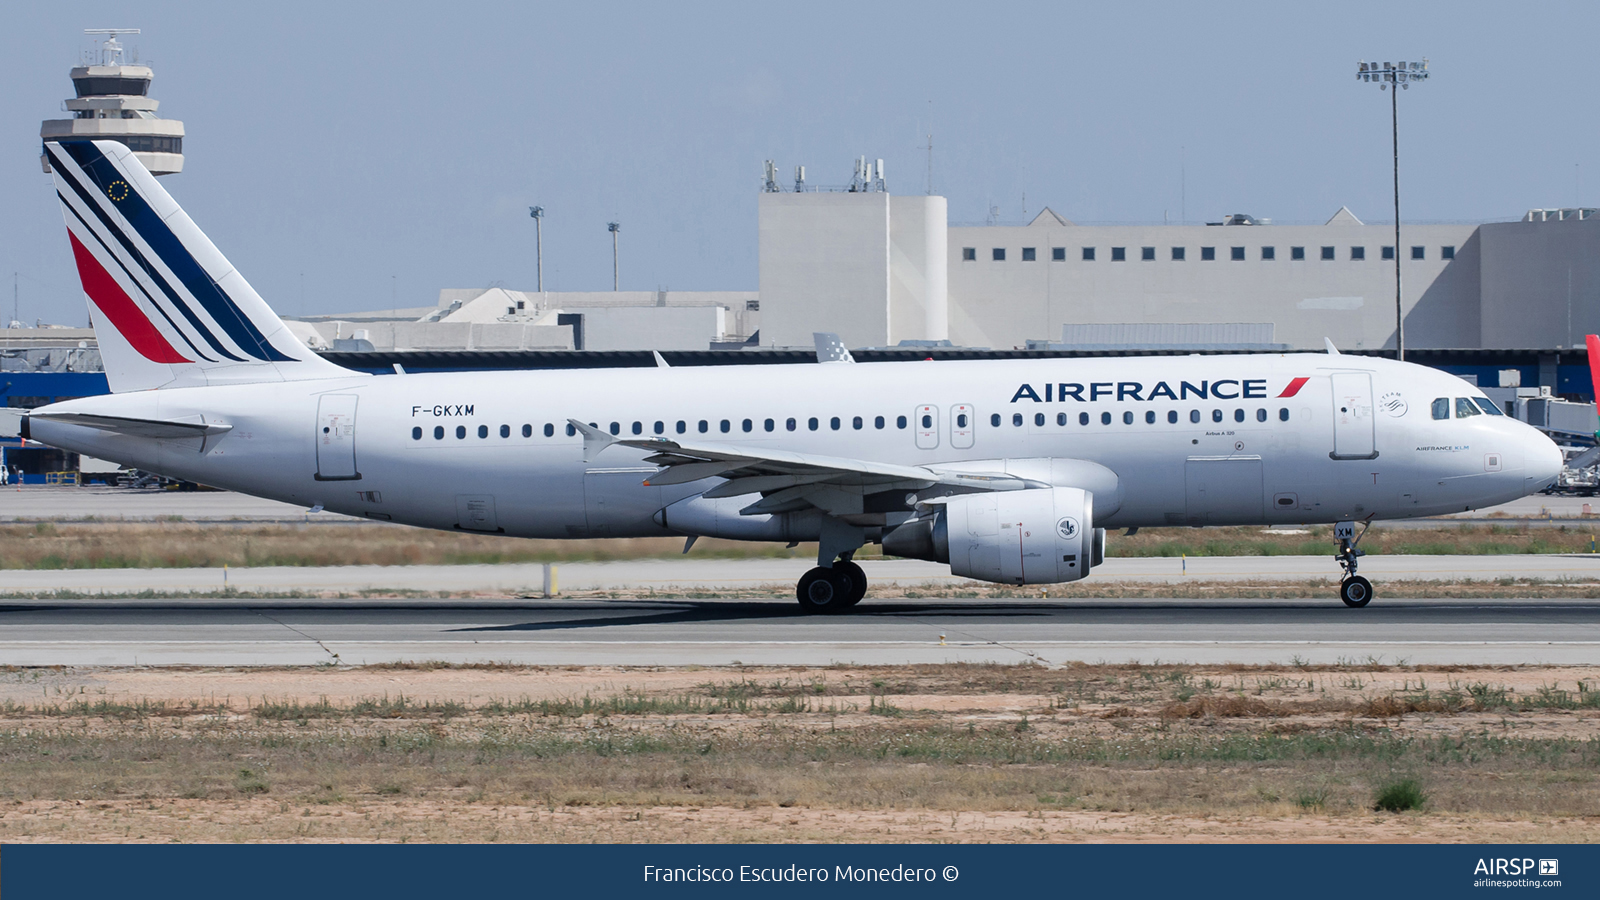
(909, 753)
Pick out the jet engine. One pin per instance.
(1040, 536)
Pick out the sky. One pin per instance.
(351, 156)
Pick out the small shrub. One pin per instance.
(250, 782)
(1316, 798)
(1399, 796)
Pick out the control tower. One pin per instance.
(113, 104)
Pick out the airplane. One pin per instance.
(1009, 471)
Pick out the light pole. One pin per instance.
(1399, 76)
(616, 279)
(537, 212)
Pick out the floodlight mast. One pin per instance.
(537, 212)
(1400, 76)
(616, 278)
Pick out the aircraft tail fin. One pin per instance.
(168, 308)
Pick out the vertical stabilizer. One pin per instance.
(168, 308)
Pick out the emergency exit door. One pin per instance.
(1352, 416)
(336, 438)
(925, 423)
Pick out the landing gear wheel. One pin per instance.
(824, 590)
(1355, 591)
(858, 580)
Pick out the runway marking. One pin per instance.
(1364, 643)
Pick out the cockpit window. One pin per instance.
(1488, 406)
(1441, 408)
(1465, 408)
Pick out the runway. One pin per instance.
(763, 575)
(729, 632)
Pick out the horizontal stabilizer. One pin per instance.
(146, 428)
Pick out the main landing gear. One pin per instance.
(832, 589)
(1354, 590)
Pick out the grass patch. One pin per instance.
(1400, 796)
(179, 544)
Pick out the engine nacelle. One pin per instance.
(1042, 536)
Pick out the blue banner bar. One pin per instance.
(438, 872)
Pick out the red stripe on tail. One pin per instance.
(1593, 343)
(1294, 387)
(109, 297)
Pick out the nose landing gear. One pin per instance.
(1354, 590)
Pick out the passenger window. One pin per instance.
(1061, 418)
(616, 427)
(747, 425)
(994, 420)
(661, 428)
(704, 426)
(505, 431)
(1441, 408)
(416, 433)
(834, 423)
(1127, 417)
(1172, 417)
(1487, 405)
(1283, 414)
(900, 422)
(1261, 415)
(1038, 420)
(461, 432)
(856, 423)
(483, 431)
(878, 422)
(438, 432)
(527, 430)
(682, 426)
(571, 429)
(1238, 415)
(726, 426)
(1016, 419)
(1465, 408)
(1083, 418)
(769, 425)
(1194, 415)
(550, 430)
(638, 428)
(811, 423)
(789, 424)
(927, 422)
(1216, 415)
(1150, 417)
(1105, 418)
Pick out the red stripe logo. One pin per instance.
(109, 297)
(1294, 387)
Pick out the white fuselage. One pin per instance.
(492, 450)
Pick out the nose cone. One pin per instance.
(1544, 463)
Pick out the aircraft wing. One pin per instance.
(148, 428)
(785, 479)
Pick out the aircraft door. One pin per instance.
(926, 424)
(336, 438)
(1352, 416)
(963, 425)
(1223, 490)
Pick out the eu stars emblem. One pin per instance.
(117, 190)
